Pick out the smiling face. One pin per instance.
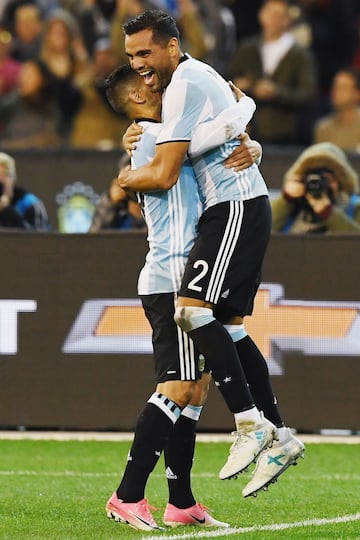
(155, 62)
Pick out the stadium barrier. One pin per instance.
(75, 348)
(70, 182)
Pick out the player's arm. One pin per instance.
(228, 125)
(244, 155)
(161, 173)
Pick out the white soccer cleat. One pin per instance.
(250, 440)
(273, 462)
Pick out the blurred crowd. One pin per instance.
(299, 60)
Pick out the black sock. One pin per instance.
(179, 454)
(258, 378)
(151, 434)
(215, 343)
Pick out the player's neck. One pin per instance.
(146, 119)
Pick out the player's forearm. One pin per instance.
(226, 126)
(146, 178)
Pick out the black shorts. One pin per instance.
(224, 265)
(175, 356)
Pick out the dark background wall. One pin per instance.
(43, 387)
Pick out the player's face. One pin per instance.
(152, 61)
(153, 99)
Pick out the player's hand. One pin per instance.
(244, 155)
(253, 146)
(116, 193)
(236, 91)
(131, 137)
(123, 177)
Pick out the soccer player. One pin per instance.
(171, 217)
(224, 267)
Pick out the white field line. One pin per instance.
(243, 530)
(128, 436)
(78, 474)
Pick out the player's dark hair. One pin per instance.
(163, 26)
(115, 85)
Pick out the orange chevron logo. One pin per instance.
(313, 327)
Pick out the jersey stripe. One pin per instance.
(186, 356)
(230, 238)
(176, 228)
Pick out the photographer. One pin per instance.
(19, 209)
(320, 194)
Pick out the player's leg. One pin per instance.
(156, 421)
(182, 508)
(273, 461)
(179, 451)
(252, 360)
(210, 274)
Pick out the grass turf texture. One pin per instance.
(58, 490)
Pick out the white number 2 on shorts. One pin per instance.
(203, 265)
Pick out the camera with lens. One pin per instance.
(316, 184)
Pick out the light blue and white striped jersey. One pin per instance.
(196, 94)
(171, 217)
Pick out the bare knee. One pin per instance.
(180, 392)
(201, 390)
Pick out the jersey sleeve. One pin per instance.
(184, 106)
(226, 126)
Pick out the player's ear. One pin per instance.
(173, 46)
(136, 96)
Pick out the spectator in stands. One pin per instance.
(96, 125)
(116, 208)
(29, 112)
(342, 126)
(9, 68)
(278, 73)
(95, 19)
(117, 211)
(64, 54)
(320, 194)
(28, 25)
(246, 19)
(19, 209)
(219, 33)
(333, 27)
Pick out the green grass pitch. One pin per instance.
(58, 490)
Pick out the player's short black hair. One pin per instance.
(163, 26)
(115, 85)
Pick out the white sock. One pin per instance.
(283, 434)
(251, 415)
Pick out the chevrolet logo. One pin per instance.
(312, 327)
